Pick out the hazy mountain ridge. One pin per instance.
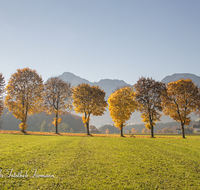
(108, 85)
(178, 76)
(73, 79)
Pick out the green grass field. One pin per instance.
(98, 162)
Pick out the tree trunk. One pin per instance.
(56, 122)
(24, 121)
(152, 134)
(87, 124)
(183, 130)
(122, 131)
(88, 132)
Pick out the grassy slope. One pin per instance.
(100, 162)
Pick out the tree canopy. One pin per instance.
(57, 98)
(2, 84)
(181, 99)
(149, 97)
(24, 94)
(121, 106)
(89, 100)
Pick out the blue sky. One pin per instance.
(98, 39)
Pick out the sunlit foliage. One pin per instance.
(107, 131)
(2, 84)
(181, 99)
(145, 130)
(89, 100)
(121, 106)
(167, 130)
(149, 97)
(159, 131)
(133, 130)
(57, 99)
(24, 94)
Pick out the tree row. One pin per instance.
(26, 94)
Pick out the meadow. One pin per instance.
(80, 162)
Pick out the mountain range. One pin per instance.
(175, 77)
(110, 85)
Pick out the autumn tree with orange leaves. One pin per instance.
(107, 131)
(2, 84)
(89, 100)
(149, 98)
(57, 99)
(24, 95)
(121, 105)
(181, 99)
(133, 130)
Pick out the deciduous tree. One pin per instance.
(159, 131)
(107, 131)
(167, 130)
(64, 127)
(2, 84)
(121, 106)
(57, 99)
(148, 97)
(133, 130)
(181, 99)
(24, 95)
(43, 126)
(144, 130)
(89, 100)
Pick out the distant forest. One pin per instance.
(73, 123)
(42, 122)
(140, 127)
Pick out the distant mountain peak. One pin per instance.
(178, 76)
(68, 73)
(182, 75)
(73, 79)
(113, 80)
(108, 85)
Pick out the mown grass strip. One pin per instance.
(100, 163)
(139, 135)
